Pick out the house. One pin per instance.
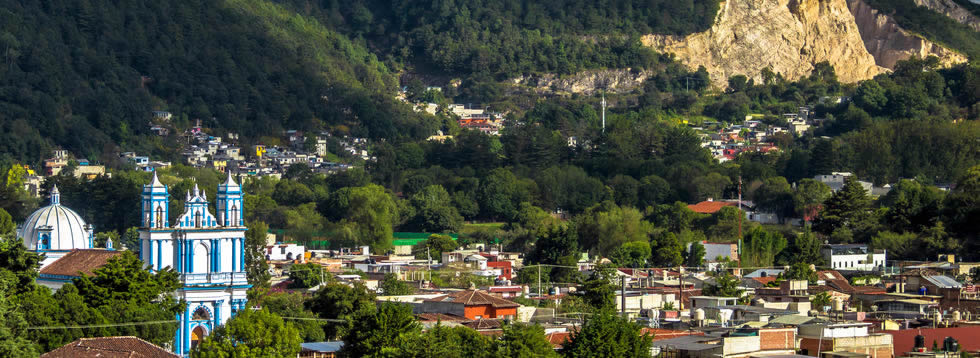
(121, 346)
(742, 342)
(904, 340)
(854, 337)
(506, 271)
(74, 264)
(715, 251)
(853, 257)
(506, 291)
(907, 308)
(710, 206)
(327, 349)
(284, 252)
(472, 304)
(711, 301)
(835, 180)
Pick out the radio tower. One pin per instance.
(603, 112)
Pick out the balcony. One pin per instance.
(214, 278)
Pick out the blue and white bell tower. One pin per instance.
(206, 250)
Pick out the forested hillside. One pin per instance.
(512, 37)
(86, 74)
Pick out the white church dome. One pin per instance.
(55, 227)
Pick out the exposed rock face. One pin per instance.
(889, 43)
(787, 36)
(953, 10)
(790, 36)
(613, 80)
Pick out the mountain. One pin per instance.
(85, 75)
(791, 36)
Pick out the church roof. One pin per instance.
(67, 229)
(229, 183)
(110, 347)
(79, 262)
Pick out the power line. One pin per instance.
(104, 325)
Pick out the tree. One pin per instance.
(291, 305)
(524, 340)
(726, 285)
(871, 96)
(632, 254)
(434, 211)
(912, 206)
(256, 268)
(21, 264)
(626, 190)
(805, 248)
(845, 208)
(500, 194)
(370, 212)
(339, 301)
(808, 197)
(251, 334)
(7, 226)
(557, 244)
(444, 341)
(391, 286)
(607, 226)
(667, 250)
(12, 323)
(760, 247)
(381, 332)
(306, 275)
(962, 208)
(695, 256)
(820, 300)
(800, 271)
(600, 292)
(606, 334)
(775, 196)
(130, 240)
(434, 246)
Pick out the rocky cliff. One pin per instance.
(889, 43)
(953, 10)
(610, 80)
(790, 36)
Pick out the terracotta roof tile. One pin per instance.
(710, 207)
(484, 324)
(110, 347)
(434, 317)
(475, 298)
(80, 261)
(558, 339)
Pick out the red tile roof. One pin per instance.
(475, 298)
(110, 347)
(558, 339)
(836, 281)
(80, 261)
(904, 340)
(764, 280)
(434, 317)
(710, 207)
(484, 324)
(659, 334)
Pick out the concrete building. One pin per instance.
(816, 339)
(854, 257)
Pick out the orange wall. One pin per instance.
(487, 311)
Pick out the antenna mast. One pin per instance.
(603, 112)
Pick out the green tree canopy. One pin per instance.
(606, 334)
(251, 334)
(381, 332)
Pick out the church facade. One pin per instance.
(207, 251)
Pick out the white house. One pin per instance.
(854, 257)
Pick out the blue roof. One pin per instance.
(323, 347)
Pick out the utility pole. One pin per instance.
(539, 280)
(622, 283)
(603, 112)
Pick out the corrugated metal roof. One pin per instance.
(323, 347)
(943, 281)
